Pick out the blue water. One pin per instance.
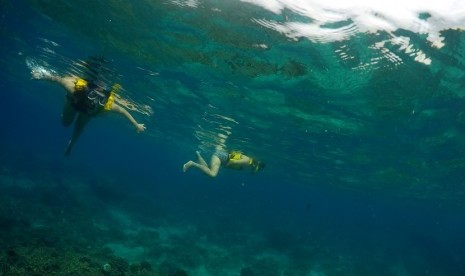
(364, 170)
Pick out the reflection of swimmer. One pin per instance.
(85, 99)
(232, 160)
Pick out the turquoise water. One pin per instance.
(357, 112)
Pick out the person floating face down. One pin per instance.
(231, 160)
(84, 101)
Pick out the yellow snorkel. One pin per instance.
(115, 88)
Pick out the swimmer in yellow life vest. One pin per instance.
(231, 160)
(85, 99)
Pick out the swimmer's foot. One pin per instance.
(187, 166)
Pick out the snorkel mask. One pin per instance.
(257, 166)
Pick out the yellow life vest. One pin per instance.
(235, 155)
(109, 102)
(80, 84)
(115, 88)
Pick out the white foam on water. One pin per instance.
(429, 18)
(186, 3)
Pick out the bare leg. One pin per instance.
(201, 160)
(81, 122)
(211, 171)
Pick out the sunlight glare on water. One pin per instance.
(422, 17)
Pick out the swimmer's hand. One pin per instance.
(36, 75)
(140, 128)
(40, 73)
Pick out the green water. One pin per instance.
(362, 132)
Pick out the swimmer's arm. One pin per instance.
(116, 108)
(68, 82)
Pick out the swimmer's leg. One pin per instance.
(191, 163)
(201, 160)
(68, 114)
(211, 171)
(187, 165)
(81, 122)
